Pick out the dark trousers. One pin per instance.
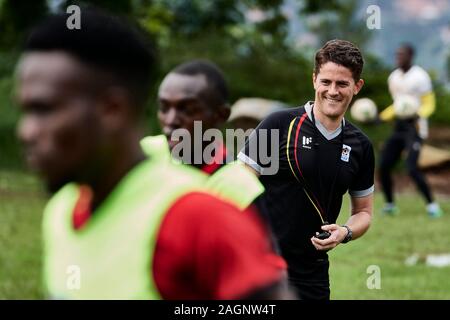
(310, 291)
(391, 153)
(310, 280)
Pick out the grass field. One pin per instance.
(387, 244)
(21, 203)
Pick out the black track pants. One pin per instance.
(391, 153)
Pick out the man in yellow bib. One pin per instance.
(192, 99)
(121, 225)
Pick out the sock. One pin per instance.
(432, 207)
(389, 206)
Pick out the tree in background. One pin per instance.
(248, 39)
(336, 19)
(123, 7)
(16, 17)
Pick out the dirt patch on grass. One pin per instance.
(437, 178)
(439, 137)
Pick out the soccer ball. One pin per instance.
(364, 110)
(406, 106)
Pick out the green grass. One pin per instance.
(389, 241)
(21, 204)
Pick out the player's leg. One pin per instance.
(413, 149)
(390, 154)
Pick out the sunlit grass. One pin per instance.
(388, 243)
(21, 204)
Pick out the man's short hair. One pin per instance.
(408, 47)
(341, 52)
(214, 78)
(105, 43)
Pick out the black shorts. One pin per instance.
(310, 280)
(310, 290)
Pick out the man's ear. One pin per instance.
(358, 86)
(314, 80)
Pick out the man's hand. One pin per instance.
(338, 234)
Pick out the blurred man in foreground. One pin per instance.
(133, 227)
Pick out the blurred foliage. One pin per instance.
(251, 70)
(16, 18)
(442, 114)
(375, 76)
(316, 6)
(123, 7)
(337, 20)
(168, 19)
(246, 38)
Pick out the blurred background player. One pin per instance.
(195, 93)
(414, 101)
(134, 227)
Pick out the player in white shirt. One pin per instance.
(408, 84)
